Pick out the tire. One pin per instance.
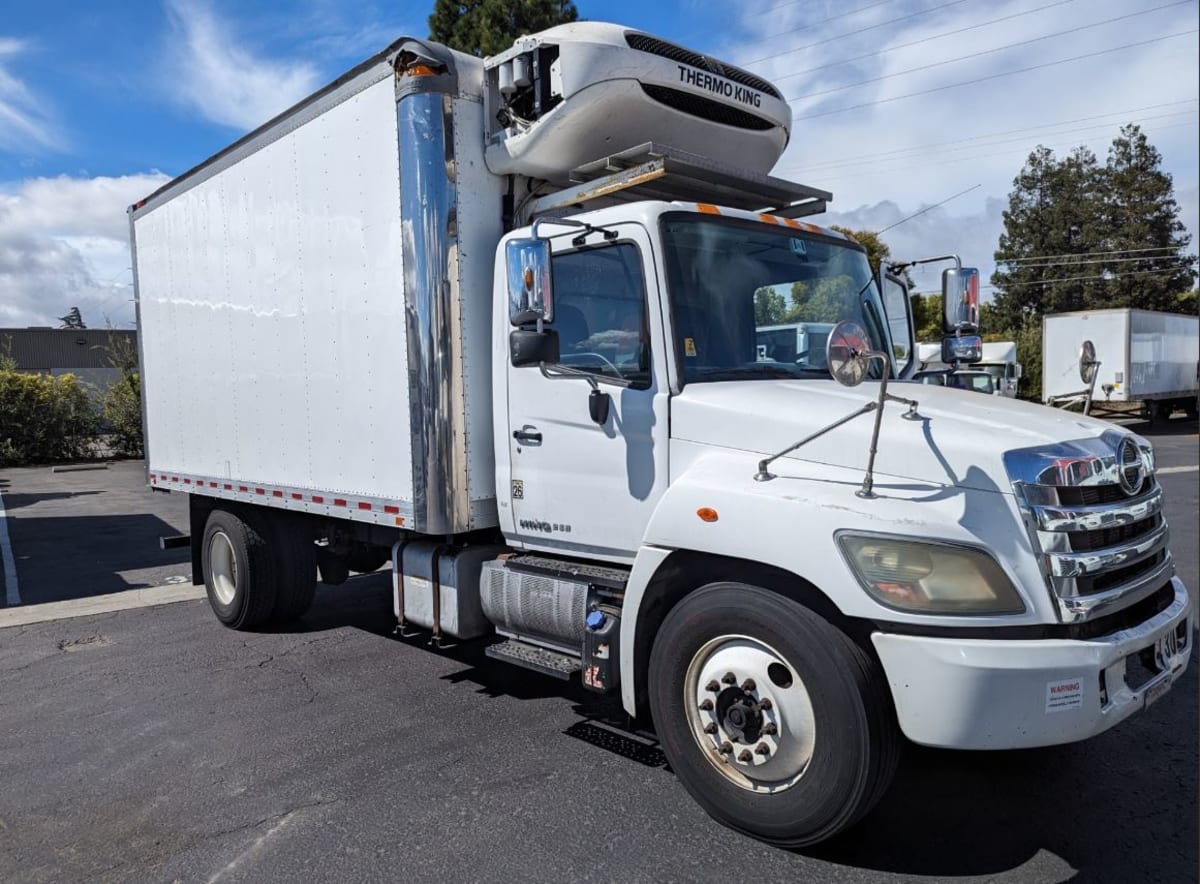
(240, 572)
(296, 560)
(836, 742)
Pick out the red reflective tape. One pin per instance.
(393, 510)
(337, 501)
(228, 487)
(152, 475)
(262, 491)
(187, 481)
(243, 488)
(296, 495)
(363, 505)
(277, 493)
(174, 478)
(212, 484)
(318, 499)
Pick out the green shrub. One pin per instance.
(123, 411)
(43, 418)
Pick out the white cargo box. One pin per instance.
(1143, 354)
(314, 306)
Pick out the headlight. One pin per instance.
(930, 578)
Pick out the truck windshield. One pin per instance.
(751, 301)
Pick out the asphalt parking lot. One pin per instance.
(154, 745)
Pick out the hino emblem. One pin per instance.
(1131, 472)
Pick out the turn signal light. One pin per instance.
(707, 514)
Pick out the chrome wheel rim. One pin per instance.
(750, 713)
(222, 567)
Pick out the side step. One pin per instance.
(538, 659)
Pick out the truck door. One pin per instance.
(576, 485)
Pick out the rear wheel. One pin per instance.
(772, 718)
(239, 569)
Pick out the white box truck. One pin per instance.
(472, 317)
(1141, 356)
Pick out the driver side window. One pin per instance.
(600, 312)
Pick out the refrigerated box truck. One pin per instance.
(1142, 356)
(492, 320)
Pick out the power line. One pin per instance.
(974, 55)
(853, 33)
(928, 208)
(966, 159)
(1174, 256)
(1104, 277)
(1023, 70)
(919, 150)
(823, 21)
(1086, 254)
(994, 21)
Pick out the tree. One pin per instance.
(488, 27)
(1142, 229)
(73, 319)
(877, 250)
(1054, 218)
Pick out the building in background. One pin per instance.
(94, 355)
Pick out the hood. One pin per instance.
(960, 438)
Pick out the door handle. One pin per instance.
(528, 436)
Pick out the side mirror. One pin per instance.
(530, 297)
(529, 347)
(966, 348)
(960, 300)
(1088, 366)
(1016, 372)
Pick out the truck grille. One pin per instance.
(706, 108)
(655, 46)
(1101, 548)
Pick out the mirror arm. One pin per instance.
(762, 475)
(561, 371)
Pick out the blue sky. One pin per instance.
(899, 104)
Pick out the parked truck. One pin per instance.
(1138, 356)
(998, 359)
(492, 321)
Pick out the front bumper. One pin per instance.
(961, 693)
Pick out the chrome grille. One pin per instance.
(1100, 556)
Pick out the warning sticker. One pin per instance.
(689, 347)
(1063, 695)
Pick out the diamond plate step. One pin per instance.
(541, 660)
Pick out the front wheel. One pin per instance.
(775, 721)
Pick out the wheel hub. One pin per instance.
(750, 713)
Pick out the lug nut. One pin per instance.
(729, 678)
(765, 704)
(710, 728)
(745, 757)
(726, 748)
(748, 685)
(770, 729)
(713, 686)
(761, 749)
(706, 705)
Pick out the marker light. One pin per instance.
(929, 578)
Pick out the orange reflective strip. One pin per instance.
(768, 219)
(792, 222)
(707, 209)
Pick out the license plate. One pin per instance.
(1153, 693)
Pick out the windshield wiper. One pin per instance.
(745, 371)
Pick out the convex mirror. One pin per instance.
(1088, 366)
(529, 291)
(960, 300)
(848, 353)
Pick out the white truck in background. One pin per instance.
(485, 319)
(997, 358)
(1136, 356)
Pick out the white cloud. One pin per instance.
(24, 124)
(895, 155)
(64, 242)
(211, 72)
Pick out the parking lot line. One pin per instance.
(99, 604)
(12, 591)
(1188, 469)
